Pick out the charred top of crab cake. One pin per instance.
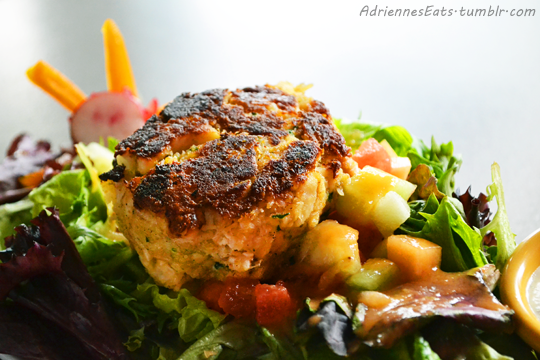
(193, 119)
(207, 176)
(224, 173)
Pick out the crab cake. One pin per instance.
(225, 183)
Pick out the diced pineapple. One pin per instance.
(416, 258)
(327, 244)
(375, 274)
(390, 212)
(404, 188)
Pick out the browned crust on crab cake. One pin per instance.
(315, 127)
(224, 176)
(261, 110)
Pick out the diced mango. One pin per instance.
(390, 212)
(416, 258)
(327, 244)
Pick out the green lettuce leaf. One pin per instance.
(421, 349)
(455, 341)
(280, 346)
(499, 225)
(69, 193)
(12, 215)
(443, 224)
(195, 319)
(440, 159)
(232, 336)
(357, 132)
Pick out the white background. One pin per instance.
(471, 80)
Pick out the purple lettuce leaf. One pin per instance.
(24, 156)
(28, 336)
(43, 274)
(463, 297)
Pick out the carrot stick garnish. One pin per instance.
(54, 83)
(32, 180)
(117, 65)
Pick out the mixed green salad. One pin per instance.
(71, 288)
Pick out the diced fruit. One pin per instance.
(374, 299)
(364, 191)
(416, 258)
(401, 167)
(373, 154)
(107, 114)
(389, 150)
(390, 212)
(404, 188)
(327, 244)
(210, 294)
(238, 298)
(376, 274)
(274, 304)
(334, 277)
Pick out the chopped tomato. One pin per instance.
(210, 294)
(373, 154)
(273, 303)
(238, 298)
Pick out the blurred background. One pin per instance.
(471, 80)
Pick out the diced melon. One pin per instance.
(375, 274)
(327, 244)
(400, 167)
(390, 212)
(416, 258)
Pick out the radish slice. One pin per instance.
(107, 114)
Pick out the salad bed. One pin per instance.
(69, 287)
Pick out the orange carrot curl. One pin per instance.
(54, 83)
